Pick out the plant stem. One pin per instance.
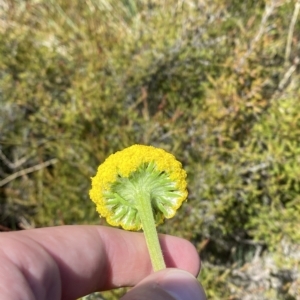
(149, 228)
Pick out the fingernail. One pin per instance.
(181, 285)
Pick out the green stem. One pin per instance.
(149, 228)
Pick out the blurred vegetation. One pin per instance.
(214, 82)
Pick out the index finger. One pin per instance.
(93, 258)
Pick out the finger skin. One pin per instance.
(168, 284)
(68, 262)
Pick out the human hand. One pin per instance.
(69, 262)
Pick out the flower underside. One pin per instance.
(121, 199)
(132, 172)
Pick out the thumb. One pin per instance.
(168, 284)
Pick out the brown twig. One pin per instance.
(286, 77)
(267, 13)
(15, 164)
(28, 170)
(291, 32)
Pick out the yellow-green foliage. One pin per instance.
(214, 82)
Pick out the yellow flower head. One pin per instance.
(136, 169)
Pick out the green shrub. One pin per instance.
(212, 84)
